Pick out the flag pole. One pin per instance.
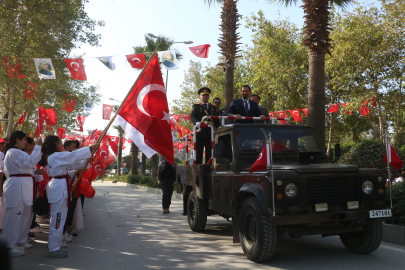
(271, 172)
(112, 120)
(388, 149)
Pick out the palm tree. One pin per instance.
(228, 42)
(134, 153)
(121, 133)
(316, 38)
(151, 44)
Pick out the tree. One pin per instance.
(134, 161)
(316, 38)
(121, 134)
(228, 43)
(42, 29)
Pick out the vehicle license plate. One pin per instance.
(380, 213)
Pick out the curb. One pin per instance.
(154, 190)
(394, 233)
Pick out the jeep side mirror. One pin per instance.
(218, 149)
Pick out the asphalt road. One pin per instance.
(115, 237)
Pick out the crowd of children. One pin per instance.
(36, 179)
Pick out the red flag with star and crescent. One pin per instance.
(200, 51)
(296, 115)
(107, 109)
(262, 160)
(145, 114)
(76, 68)
(137, 60)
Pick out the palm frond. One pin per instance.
(339, 3)
(213, 2)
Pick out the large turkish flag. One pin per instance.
(145, 114)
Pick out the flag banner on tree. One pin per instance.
(186, 117)
(137, 60)
(200, 51)
(145, 114)
(62, 133)
(107, 109)
(80, 120)
(392, 158)
(364, 109)
(374, 100)
(271, 114)
(76, 68)
(168, 59)
(50, 95)
(40, 121)
(30, 90)
(282, 114)
(176, 117)
(22, 118)
(348, 111)
(13, 68)
(334, 108)
(44, 68)
(305, 111)
(50, 117)
(69, 103)
(262, 161)
(88, 106)
(107, 61)
(296, 115)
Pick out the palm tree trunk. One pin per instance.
(229, 78)
(119, 156)
(143, 165)
(154, 163)
(134, 153)
(316, 95)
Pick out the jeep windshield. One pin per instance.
(288, 142)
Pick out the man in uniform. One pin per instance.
(204, 136)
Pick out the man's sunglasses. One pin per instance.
(217, 102)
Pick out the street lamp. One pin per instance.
(115, 100)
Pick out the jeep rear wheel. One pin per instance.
(196, 213)
(258, 237)
(366, 241)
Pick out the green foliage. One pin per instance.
(367, 153)
(345, 147)
(398, 203)
(142, 180)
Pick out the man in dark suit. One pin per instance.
(245, 107)
(263, 111)
(204, 136)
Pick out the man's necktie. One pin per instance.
(246, 108)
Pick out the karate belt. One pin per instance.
(67, 177)
(34, 186)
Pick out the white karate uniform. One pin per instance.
(61, 163)
(18, 194)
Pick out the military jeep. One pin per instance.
(310, 195)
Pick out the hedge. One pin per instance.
(398, 204)
(143, 180)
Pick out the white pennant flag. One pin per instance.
(44, 68)
(168, 59)
(107, 61)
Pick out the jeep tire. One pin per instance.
(257, 236)
(366, 241)
(196, 213)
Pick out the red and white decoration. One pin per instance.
(107, 109)
(262, 161)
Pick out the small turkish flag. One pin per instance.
(334, 108)
(145, 114)
(137, 60)
(22, 118)
(104, 156)
(107, 109)
(200, 51)
(271, 114)
(80, 120)
(177, 117)
(348, 111)
(99, 169)
(305, 111)
(50, 117)
(40, 121)
(76, 68)
(94, 136)
(296, 115)
(30, 90)
(61, 133)
(282, 114)
(69, 103)
(262, 161)
(71, 137)
(393, 158)
(364, 109)
(186, 117)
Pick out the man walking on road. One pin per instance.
(166, 177)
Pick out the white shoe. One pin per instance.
(29, 240)
(64, 245)
(26, 245)
(36, 230)
(17, 251)
(66, 238)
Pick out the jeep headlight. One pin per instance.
(367, 187)
(291, 190)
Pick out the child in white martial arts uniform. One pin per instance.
(58, 188)
(19, 190)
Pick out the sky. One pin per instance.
(126, 23)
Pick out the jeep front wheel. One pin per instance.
(258, 237)
(366, 241)
(196, 213)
